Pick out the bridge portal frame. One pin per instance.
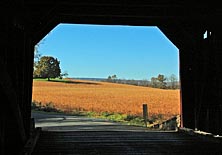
(25, 23)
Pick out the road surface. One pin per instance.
(62, 122)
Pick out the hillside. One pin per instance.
(107, 97)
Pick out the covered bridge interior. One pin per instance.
(25, 22)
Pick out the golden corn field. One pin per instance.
(107, 97)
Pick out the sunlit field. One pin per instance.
(107, 97)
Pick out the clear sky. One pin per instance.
(97, 51)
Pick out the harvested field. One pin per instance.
(107, 97)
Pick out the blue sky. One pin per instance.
(97, 51)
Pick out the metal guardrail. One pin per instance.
(171, 124)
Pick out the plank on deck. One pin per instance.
(122, 142)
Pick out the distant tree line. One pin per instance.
(48, 67)
(163, 82)
(160, 81)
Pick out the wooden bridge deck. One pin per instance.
(71, 135)
(122, 143)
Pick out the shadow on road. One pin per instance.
(61, 122)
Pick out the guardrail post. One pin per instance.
(145, 114)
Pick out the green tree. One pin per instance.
(161, 80)
(47, 67)
(109, 78)
(114, 77)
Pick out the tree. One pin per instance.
(162, 80)
(158, 82)
(114, 77)
(65, 74)
(109, 78)
(47, 67)
(154, 82)
(37, 54)
(173, 81)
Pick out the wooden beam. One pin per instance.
(6, 84)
